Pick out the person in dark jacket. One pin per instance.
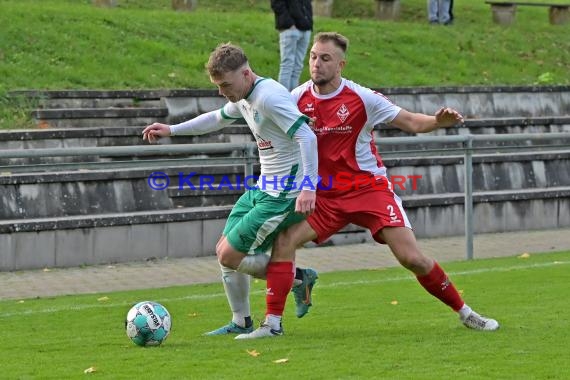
(294, 21)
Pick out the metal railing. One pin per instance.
(247, 156)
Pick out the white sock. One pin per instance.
(465, 311)
(236, 286)
(255, 265)
(274, 321)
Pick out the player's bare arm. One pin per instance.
(421, 123)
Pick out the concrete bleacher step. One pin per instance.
(93, 192)
(121, 237)
(496, 125)
(69, 108)
(214, 195)
(113, 219)
(131, 135)
(446, 199)
(192, 231)
(472, 101)
(109, 238)
(99, 117)
(99, 137)
(80, 216)
(491, 171)
(95, 234)
(106, 98)
(93, 113)
(105, 190)
(485, 101)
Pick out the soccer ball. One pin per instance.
(148, 323)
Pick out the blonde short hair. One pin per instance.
(225, 58)
(338, 39)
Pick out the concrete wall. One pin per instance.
(123, 242)
(514, 192)
(41, 195)
(97, 245)
(175, 105)
(80, 218)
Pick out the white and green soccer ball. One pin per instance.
(148, 323)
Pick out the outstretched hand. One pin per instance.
(155, 131)
(448, 117)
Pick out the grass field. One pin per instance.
(375, 324)
(144, 44)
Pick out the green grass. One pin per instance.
(143, 44)
(57, 44)
(353, 332)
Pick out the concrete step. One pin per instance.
(434, 200)
(98, 117)
(95, 113)
(497, 125)
(108, 98)
(214, 195)
(101, 137)
(100, 103)
(76, 192)
(113, 238)
(174, 105)
(109, 238)
(193, 232)
(472, 101)
(131, 135)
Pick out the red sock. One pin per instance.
(437, 284)
(280, 276)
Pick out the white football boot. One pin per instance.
(477, 322)
(262, 332)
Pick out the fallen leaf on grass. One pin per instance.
(90, 370)
(193, 314)
(394, 302)
(253, 353)
(524, 256)
(103, 299)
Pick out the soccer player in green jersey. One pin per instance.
(284, 195)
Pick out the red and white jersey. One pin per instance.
(344, 127)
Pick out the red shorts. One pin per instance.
(372, 208)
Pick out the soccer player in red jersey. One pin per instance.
(354, 187)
